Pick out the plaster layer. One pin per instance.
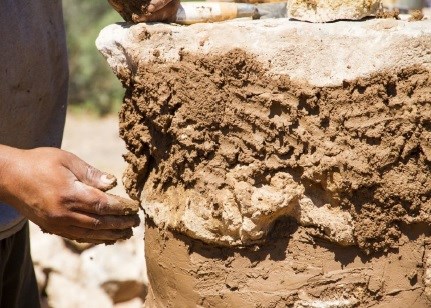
(320, 55)
(330, 10)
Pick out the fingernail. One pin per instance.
(151, 8)
(108, 179)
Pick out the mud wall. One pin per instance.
(265, 189)
(240, 149)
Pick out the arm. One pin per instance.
(64, 195)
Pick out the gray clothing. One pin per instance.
(10, 221)
(33, 82)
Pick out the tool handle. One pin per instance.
(196, 12)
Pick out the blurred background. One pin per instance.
(93, 87)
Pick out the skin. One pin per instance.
(64, 195)
(157, 10)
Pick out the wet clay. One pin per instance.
(291, 270)
(219, 151)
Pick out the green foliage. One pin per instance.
(93, 86)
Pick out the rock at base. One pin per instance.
(116, 270)
(65, 293)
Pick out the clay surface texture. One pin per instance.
(309, 143)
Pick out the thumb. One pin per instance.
(90, 175)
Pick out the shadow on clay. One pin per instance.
(275, 248)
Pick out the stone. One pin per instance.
(118, 269)
(283, 164)
(50, 254)
(64, 293)
(76, 246)
(329, 10)
(98, 268)
(364, 50)
(41, 277)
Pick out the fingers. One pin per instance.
(122, 205)
(89, 175)
(156, 5)
(109, 222)
(161, 10)
(90, 200)
(96, 236)
(93, 216)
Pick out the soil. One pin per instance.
(225, 150)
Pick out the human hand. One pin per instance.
(146, 10)
(64, 195)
